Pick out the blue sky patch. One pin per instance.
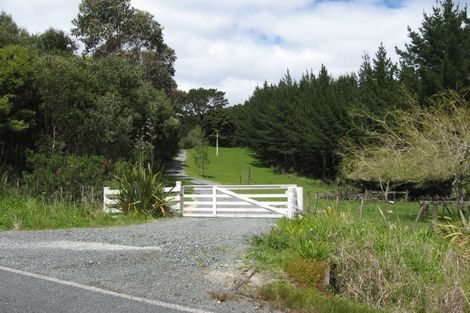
(392, 4)
(265, 39)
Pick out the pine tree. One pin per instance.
(439, 52)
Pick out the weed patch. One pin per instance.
(284, 297)
(385, 266)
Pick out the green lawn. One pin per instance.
(238, 166)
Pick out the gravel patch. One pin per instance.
(181, 260)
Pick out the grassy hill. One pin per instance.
(238, 166)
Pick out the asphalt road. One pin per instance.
(167, 266)
(20, 293)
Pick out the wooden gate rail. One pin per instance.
(256, 201)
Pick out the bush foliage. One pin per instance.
(68, 177)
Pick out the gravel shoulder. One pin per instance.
(180, 260)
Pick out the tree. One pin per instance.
(201, 101)
(56, 41)
(439, 52)
(18, 105)
(296, 126)
(430, 144)
(10, 33)
(199, 143)
(221, 121)
(159, 126)
(114, 27)
(103, 106)
(16, 63)
(66, 87)
(268, 123)
(379, 88)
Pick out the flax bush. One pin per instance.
(142, 190)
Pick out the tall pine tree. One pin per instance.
(439, 52)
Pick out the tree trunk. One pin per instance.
(387, 191)
(323, 169)
(457, 187)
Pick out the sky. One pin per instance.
(236, 45)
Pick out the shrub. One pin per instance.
(67, 177)
(142, 190)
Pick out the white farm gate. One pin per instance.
(253, 201)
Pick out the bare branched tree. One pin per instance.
(419, 145)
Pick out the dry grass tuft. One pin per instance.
(413, 275)
(306, 273)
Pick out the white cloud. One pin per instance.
(234, 45)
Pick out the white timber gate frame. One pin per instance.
(249, 201)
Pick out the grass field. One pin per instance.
(238, 166)
(18, 212)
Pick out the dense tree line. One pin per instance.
(116, 100)
(299, 125)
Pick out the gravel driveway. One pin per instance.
(179, 260)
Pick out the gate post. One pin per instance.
(290, 202)
(105, 199)
(181, 195)
(214, 201)
(299, 192)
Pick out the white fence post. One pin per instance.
(105, 198)
(107, 202)
(300, 198)
(177, 187)
(290, 202)
(214, 201)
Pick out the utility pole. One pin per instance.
(216, 143)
